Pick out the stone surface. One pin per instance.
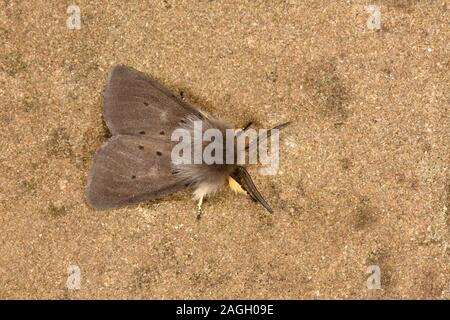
(364, 167)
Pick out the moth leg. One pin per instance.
(199, 208)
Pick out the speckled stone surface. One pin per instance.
(363, 176)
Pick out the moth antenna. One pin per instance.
(244, 177)
(266, 135)
(247, 126)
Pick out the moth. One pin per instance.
(135, 164)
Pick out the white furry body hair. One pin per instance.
(205, 178)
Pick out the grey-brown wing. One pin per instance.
(138, 105)
(128, 170)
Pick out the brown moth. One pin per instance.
(135, 164)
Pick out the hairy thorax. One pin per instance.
(203, 177)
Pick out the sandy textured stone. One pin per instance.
(364, 180)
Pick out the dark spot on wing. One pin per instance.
(158, 153)
(141, 147)
(142, 132)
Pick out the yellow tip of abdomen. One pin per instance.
(235, 186)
